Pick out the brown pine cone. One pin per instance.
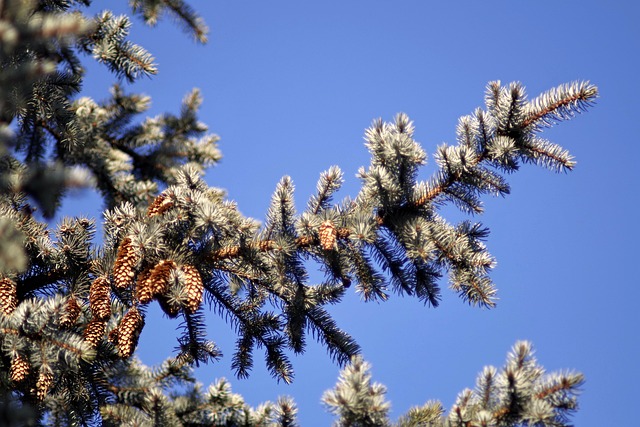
(328, 235)
(161, 204)
(129, 332)
(71, 312)
(194, 288)
(8, 299)
(94, 332)
(19, 368)
(159, 277)
(100, 298)
(126, 261)
(144, 293)
(44, 382)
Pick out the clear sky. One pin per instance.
(290, 87)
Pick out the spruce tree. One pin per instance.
(73, 306)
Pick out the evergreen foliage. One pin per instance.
(72, 310)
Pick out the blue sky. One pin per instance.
(290, 87)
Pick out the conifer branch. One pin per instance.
(52, 131)
(434, 191)
(301, 242)
(188, 242)
(560, 103)
(32, 283)
(565, 161)
(564, 385)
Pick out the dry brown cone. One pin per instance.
(100, 298)
(144, 293)
(94, 332)
(129, 332)
(44, 383)
(194, 288)
(126, 260)
(8, 299)
(71, 312)
(161, 204)
(152, 282)
(19, 368)
(159, 276)
(328, 235)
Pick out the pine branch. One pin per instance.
(391, 231)
(267, 245)
(559, 104)
(191, 22)
(30, 284)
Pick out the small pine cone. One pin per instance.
(19, 368)
(94, 332)
(100, 298)
(71, 312)
(129, 332)
(126, 261)
(194, 288)
(44, 383)
(144, 293)
(8, 299)
(159, 276)
(328, 235)
(161, 204)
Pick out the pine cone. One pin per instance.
(8, 299)
(71, 312)
(129, 332)
(154, 282)
(328, 235)
(19, 368)
(159, 277)
(100, 298)
(44, 383)
(94, 332)
(194, 288)
(144, 293)
(161, 204)
(126, 260)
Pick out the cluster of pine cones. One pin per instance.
(153, 282)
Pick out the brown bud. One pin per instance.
(328, 235)
(94, 332)
(8, 299)
(129, 332)
(126, 260)
(194, 288)
(19, 368)
(100, 298)
(71, 312)
(161, 204)
(44, 382)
